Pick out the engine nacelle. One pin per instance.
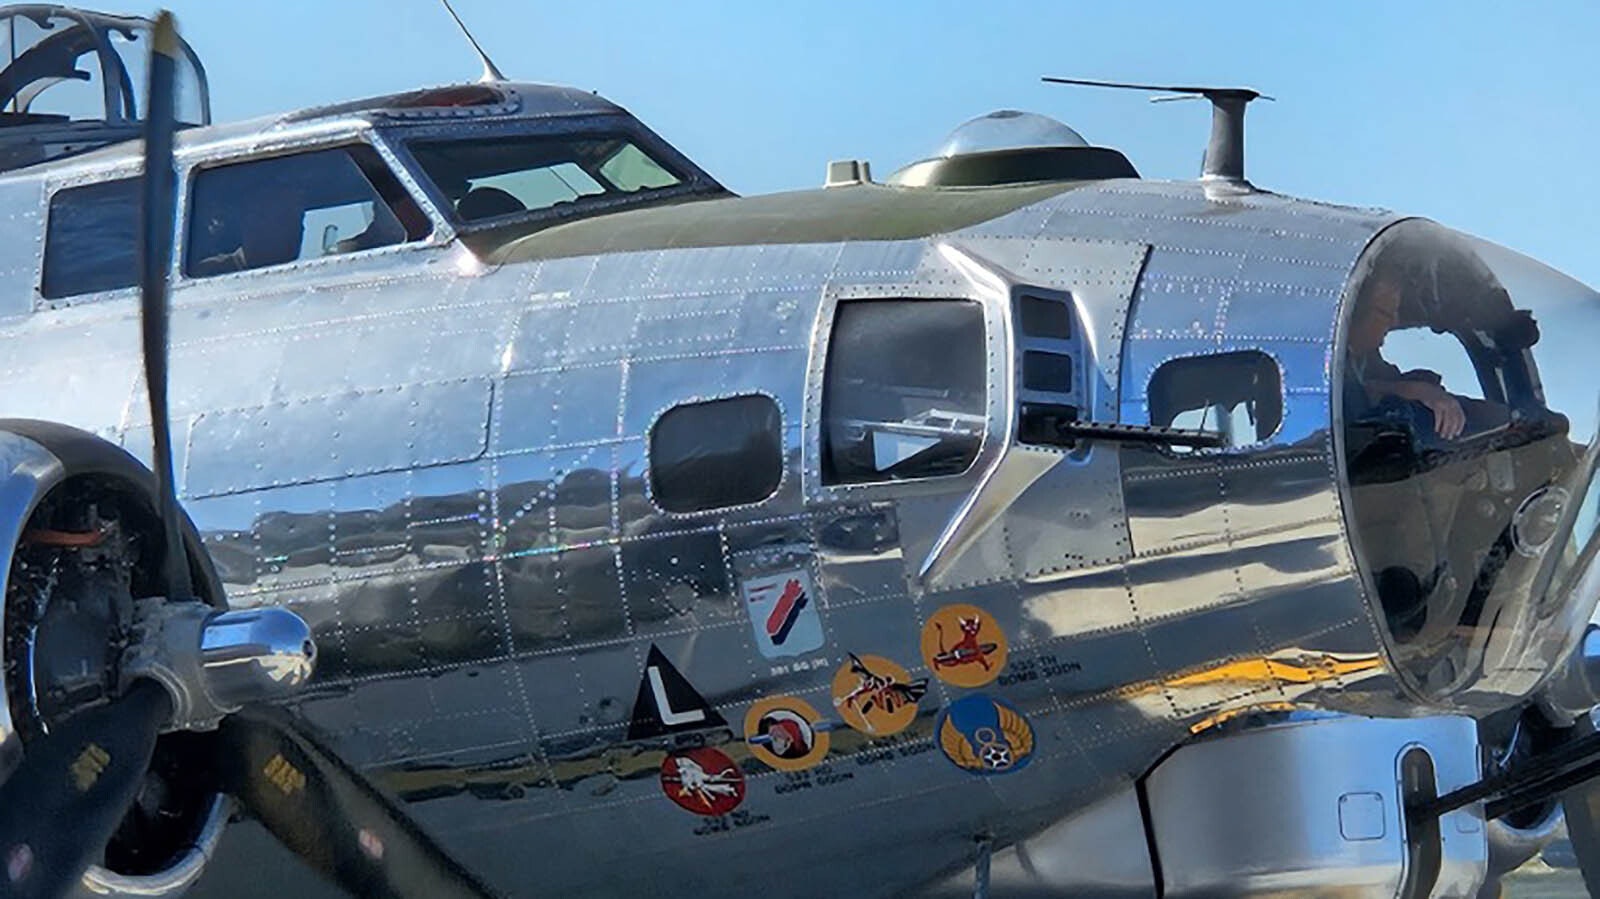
(49, 470)
(1312, 806)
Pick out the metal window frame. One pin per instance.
(441, 232)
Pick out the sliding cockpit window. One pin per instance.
(294, 207)
(505, 177)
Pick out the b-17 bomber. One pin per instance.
(462, 493)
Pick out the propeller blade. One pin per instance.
(326, 812)
(159, 216)
(1581, 805)
(62, 805)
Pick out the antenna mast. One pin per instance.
(1225, 152)
(491, 72)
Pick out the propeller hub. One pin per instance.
(213, 663)
(255, 654)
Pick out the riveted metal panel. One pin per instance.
(558, 407)
(100, 390)
(355, 433)
(1306, 772)
(539, 337)
(22, 235)
(1071, 517)
(878, 262)
(624, 275)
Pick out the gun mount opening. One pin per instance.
(72, 82)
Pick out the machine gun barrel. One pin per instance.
(1538, 779)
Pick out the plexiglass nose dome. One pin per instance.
(1008, 129)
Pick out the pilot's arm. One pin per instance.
(222, 263)
(1449, 419)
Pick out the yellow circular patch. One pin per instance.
(963, 645)
(786, 733)
(876, 696)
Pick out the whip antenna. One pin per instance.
(491, 72)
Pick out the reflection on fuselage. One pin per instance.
(431, 551)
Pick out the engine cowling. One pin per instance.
(80, 557)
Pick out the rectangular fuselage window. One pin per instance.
(1239, 395)
(92, 241)
(716, 454)
(905, 390)
(281, 209)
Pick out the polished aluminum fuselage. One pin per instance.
(441, 464)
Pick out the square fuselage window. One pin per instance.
(92, 241)
(716, 454)
(1238, 394)
(905, 391)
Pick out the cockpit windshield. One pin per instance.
(1469, 446)
(507, 177)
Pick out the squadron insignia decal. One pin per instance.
(786, 733)
(963, 645)
(704, 781)
(876, 696)
(783, 613)
(667, 704)
(985, 735)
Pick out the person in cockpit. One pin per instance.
(1370, 379)
(1375, 388)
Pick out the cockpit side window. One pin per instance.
(1238, 394)
(502, 177)
(91, 242)
(249, 215)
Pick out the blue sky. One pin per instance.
(1482, 115)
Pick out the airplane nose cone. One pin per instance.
(1471, 456)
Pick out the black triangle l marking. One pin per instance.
(667, 704)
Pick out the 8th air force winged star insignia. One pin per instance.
(985, 735)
